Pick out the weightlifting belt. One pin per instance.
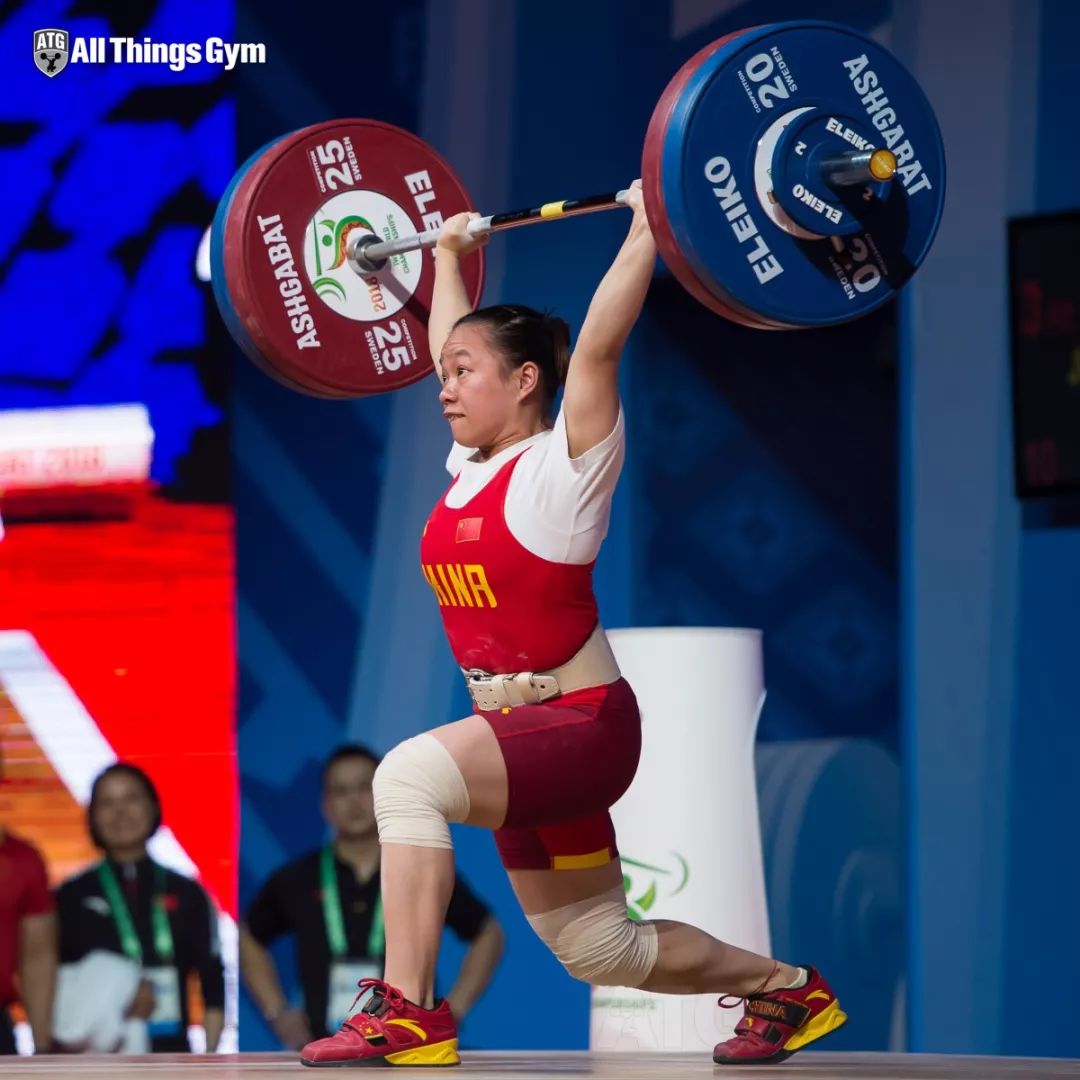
(592, 665)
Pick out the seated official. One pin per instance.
(329, 900)
(162, 922)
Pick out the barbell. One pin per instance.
(793, 176)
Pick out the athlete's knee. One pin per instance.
(597, 942)
(418, 788)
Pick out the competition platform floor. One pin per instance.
(539, 1066)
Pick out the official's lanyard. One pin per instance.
(335, 920)
(121, 913)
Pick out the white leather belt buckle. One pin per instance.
(592, 665)
(509, 691)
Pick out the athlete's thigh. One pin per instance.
(475, 749)
(538, 891)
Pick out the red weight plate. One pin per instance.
(316, 321)
(652, 188)
(276, 367)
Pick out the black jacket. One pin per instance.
(290, 902)
(87, 924)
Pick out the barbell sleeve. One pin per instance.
(859, 167)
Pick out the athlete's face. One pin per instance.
(348, 802)
(480, 396)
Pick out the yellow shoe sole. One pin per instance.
(436, 1054)
(826, 1021)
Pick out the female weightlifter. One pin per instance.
(555, 737)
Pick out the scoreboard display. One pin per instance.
(1044, 287)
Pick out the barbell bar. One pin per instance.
(793, 175)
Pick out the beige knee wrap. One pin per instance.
(418, 788)
(597, 942)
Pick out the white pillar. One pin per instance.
(688, 828)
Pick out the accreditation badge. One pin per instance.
(167, 1018)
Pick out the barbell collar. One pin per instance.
(859, 167)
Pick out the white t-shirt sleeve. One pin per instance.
(559, 507)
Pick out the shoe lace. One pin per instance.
(383, 996)
(736, 1001)
(383, 999)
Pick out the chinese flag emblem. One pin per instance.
(468, 529)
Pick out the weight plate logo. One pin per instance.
(360, 297)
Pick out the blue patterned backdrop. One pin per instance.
(765, 494)
(111, 175)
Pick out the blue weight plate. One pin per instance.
(652, 185)
(716, 187)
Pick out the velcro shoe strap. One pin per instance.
(369, 1028)
(778, 1011)
(770, 1033)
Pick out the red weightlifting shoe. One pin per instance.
(388, 1030)
(776, 1024)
